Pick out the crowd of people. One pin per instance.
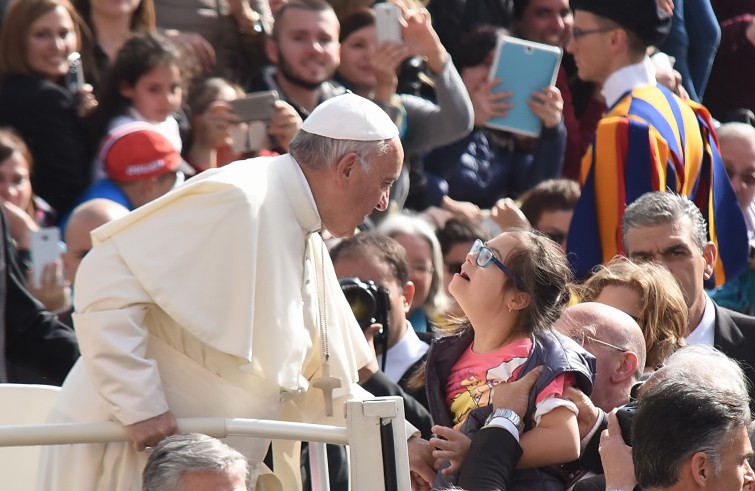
(535, 290)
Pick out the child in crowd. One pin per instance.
(144, 84)
(511, 290)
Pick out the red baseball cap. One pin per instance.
(139, 153)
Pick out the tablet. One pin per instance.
(523, 67)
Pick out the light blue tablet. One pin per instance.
(523, 67)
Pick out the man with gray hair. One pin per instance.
(691, 435)
(194, 462)
(219, 299)
(721, 374)
(669, 229)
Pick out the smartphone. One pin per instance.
(45, 249)
(387, 20)
(258, 106)
(75, 76)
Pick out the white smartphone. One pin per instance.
(258, 106)
(387, 20)
(45, 249)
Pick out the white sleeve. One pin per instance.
(551, 403)
(111, 307)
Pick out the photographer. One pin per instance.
(722, 375)
(380, 260)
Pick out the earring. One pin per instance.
(510, 309)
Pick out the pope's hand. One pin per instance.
(421, 463)
(150, 432)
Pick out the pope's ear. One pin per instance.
(345, 167)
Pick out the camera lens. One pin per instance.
(361, 300)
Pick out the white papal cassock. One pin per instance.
(204, 303)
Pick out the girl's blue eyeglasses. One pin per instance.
(485, 256)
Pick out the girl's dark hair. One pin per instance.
(543, 269)
(138, 56)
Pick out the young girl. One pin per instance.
(511, 290)
(144, 84)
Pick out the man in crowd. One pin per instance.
(688, 435)
(84, 218)
(721, 373)
(305, 53)
(382, 260)
(195, 462)
(669, 229)
(738, 151)
(221, 286)
(650, 140)
(617, 343)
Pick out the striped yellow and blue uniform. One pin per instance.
(651, 140)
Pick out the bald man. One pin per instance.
(85, 218)
(616, 341)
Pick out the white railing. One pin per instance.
(375, 434)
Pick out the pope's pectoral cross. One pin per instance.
(326, 383)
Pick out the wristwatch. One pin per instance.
(506, 414)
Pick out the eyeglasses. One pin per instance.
(747, 178)
(485, 256)
(453, 268)
(578, 33)
(595, 340)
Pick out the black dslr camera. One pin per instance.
(625, 415)
(370, 304)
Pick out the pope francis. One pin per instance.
(219, 299)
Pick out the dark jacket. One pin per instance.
(44, 114)
(481, 170)
(490, 461)
(34, 346)
(734, 336)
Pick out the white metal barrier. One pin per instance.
(375, 434)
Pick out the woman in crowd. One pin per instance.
(36, 38)
(425, 267)
(213, 124)
(511, 290)
(650, 294)
(489, 164)
(218, 138)
(16, 167)
(370, 70)
(111, 24)
(26, 213)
